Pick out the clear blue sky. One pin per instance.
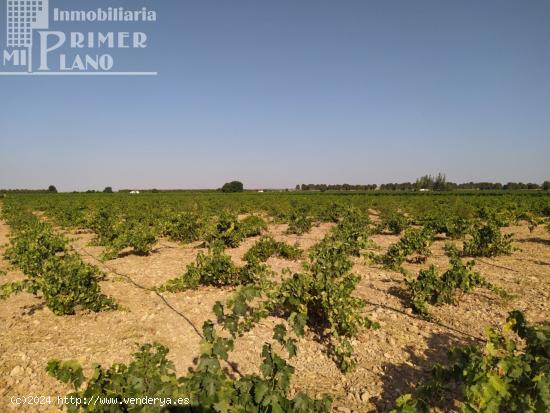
(276, 93)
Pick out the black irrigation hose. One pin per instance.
(112, 270)
(482, 261)
(497, 266)
(427, 320)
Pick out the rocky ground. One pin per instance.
(391, 360)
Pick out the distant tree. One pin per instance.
(515, 186)
(233, 186)
(336, 187)
(546, 185)
(440, 182)
(437, 183)
(155, 190)
(424, 182)
(481, 185)
(108, 190)
(52, 189)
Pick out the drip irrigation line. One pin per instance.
(112, 270)
(131, 280)
(427, 321)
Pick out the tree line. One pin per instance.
(343, 187)
(427, 182)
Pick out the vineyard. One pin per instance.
(277, 302)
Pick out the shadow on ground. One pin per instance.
(403, 378)
(536, 240)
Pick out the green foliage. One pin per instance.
(320, 297)
(32, 245)
(351, 234)
(108, 190)
(184, 227)
(500, 217)
(233, 186)
(254, 272)
(394, 223)
(116, 233)
(103, 222)
(138, 236)
(69, 283)
(413, 241)
(70, 217)
(510, 374)
(252, 226)
(332, 212)
(130, 234)
(155, 212)
(323, 297)
(237, 315)
(52, 189)
(64, 281)
(453, 226)
(230, 231)
(488, 241)
(214, 269)
(267, 247)
(15, 287)
(207, 388)
(533, 220)
(66, 372)
(227, 230)
(430, 288)
(299, 222)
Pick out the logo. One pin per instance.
(38, 43)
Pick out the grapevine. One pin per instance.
(57, 274)
(430, 288)
(208, 387)
(508, 374)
